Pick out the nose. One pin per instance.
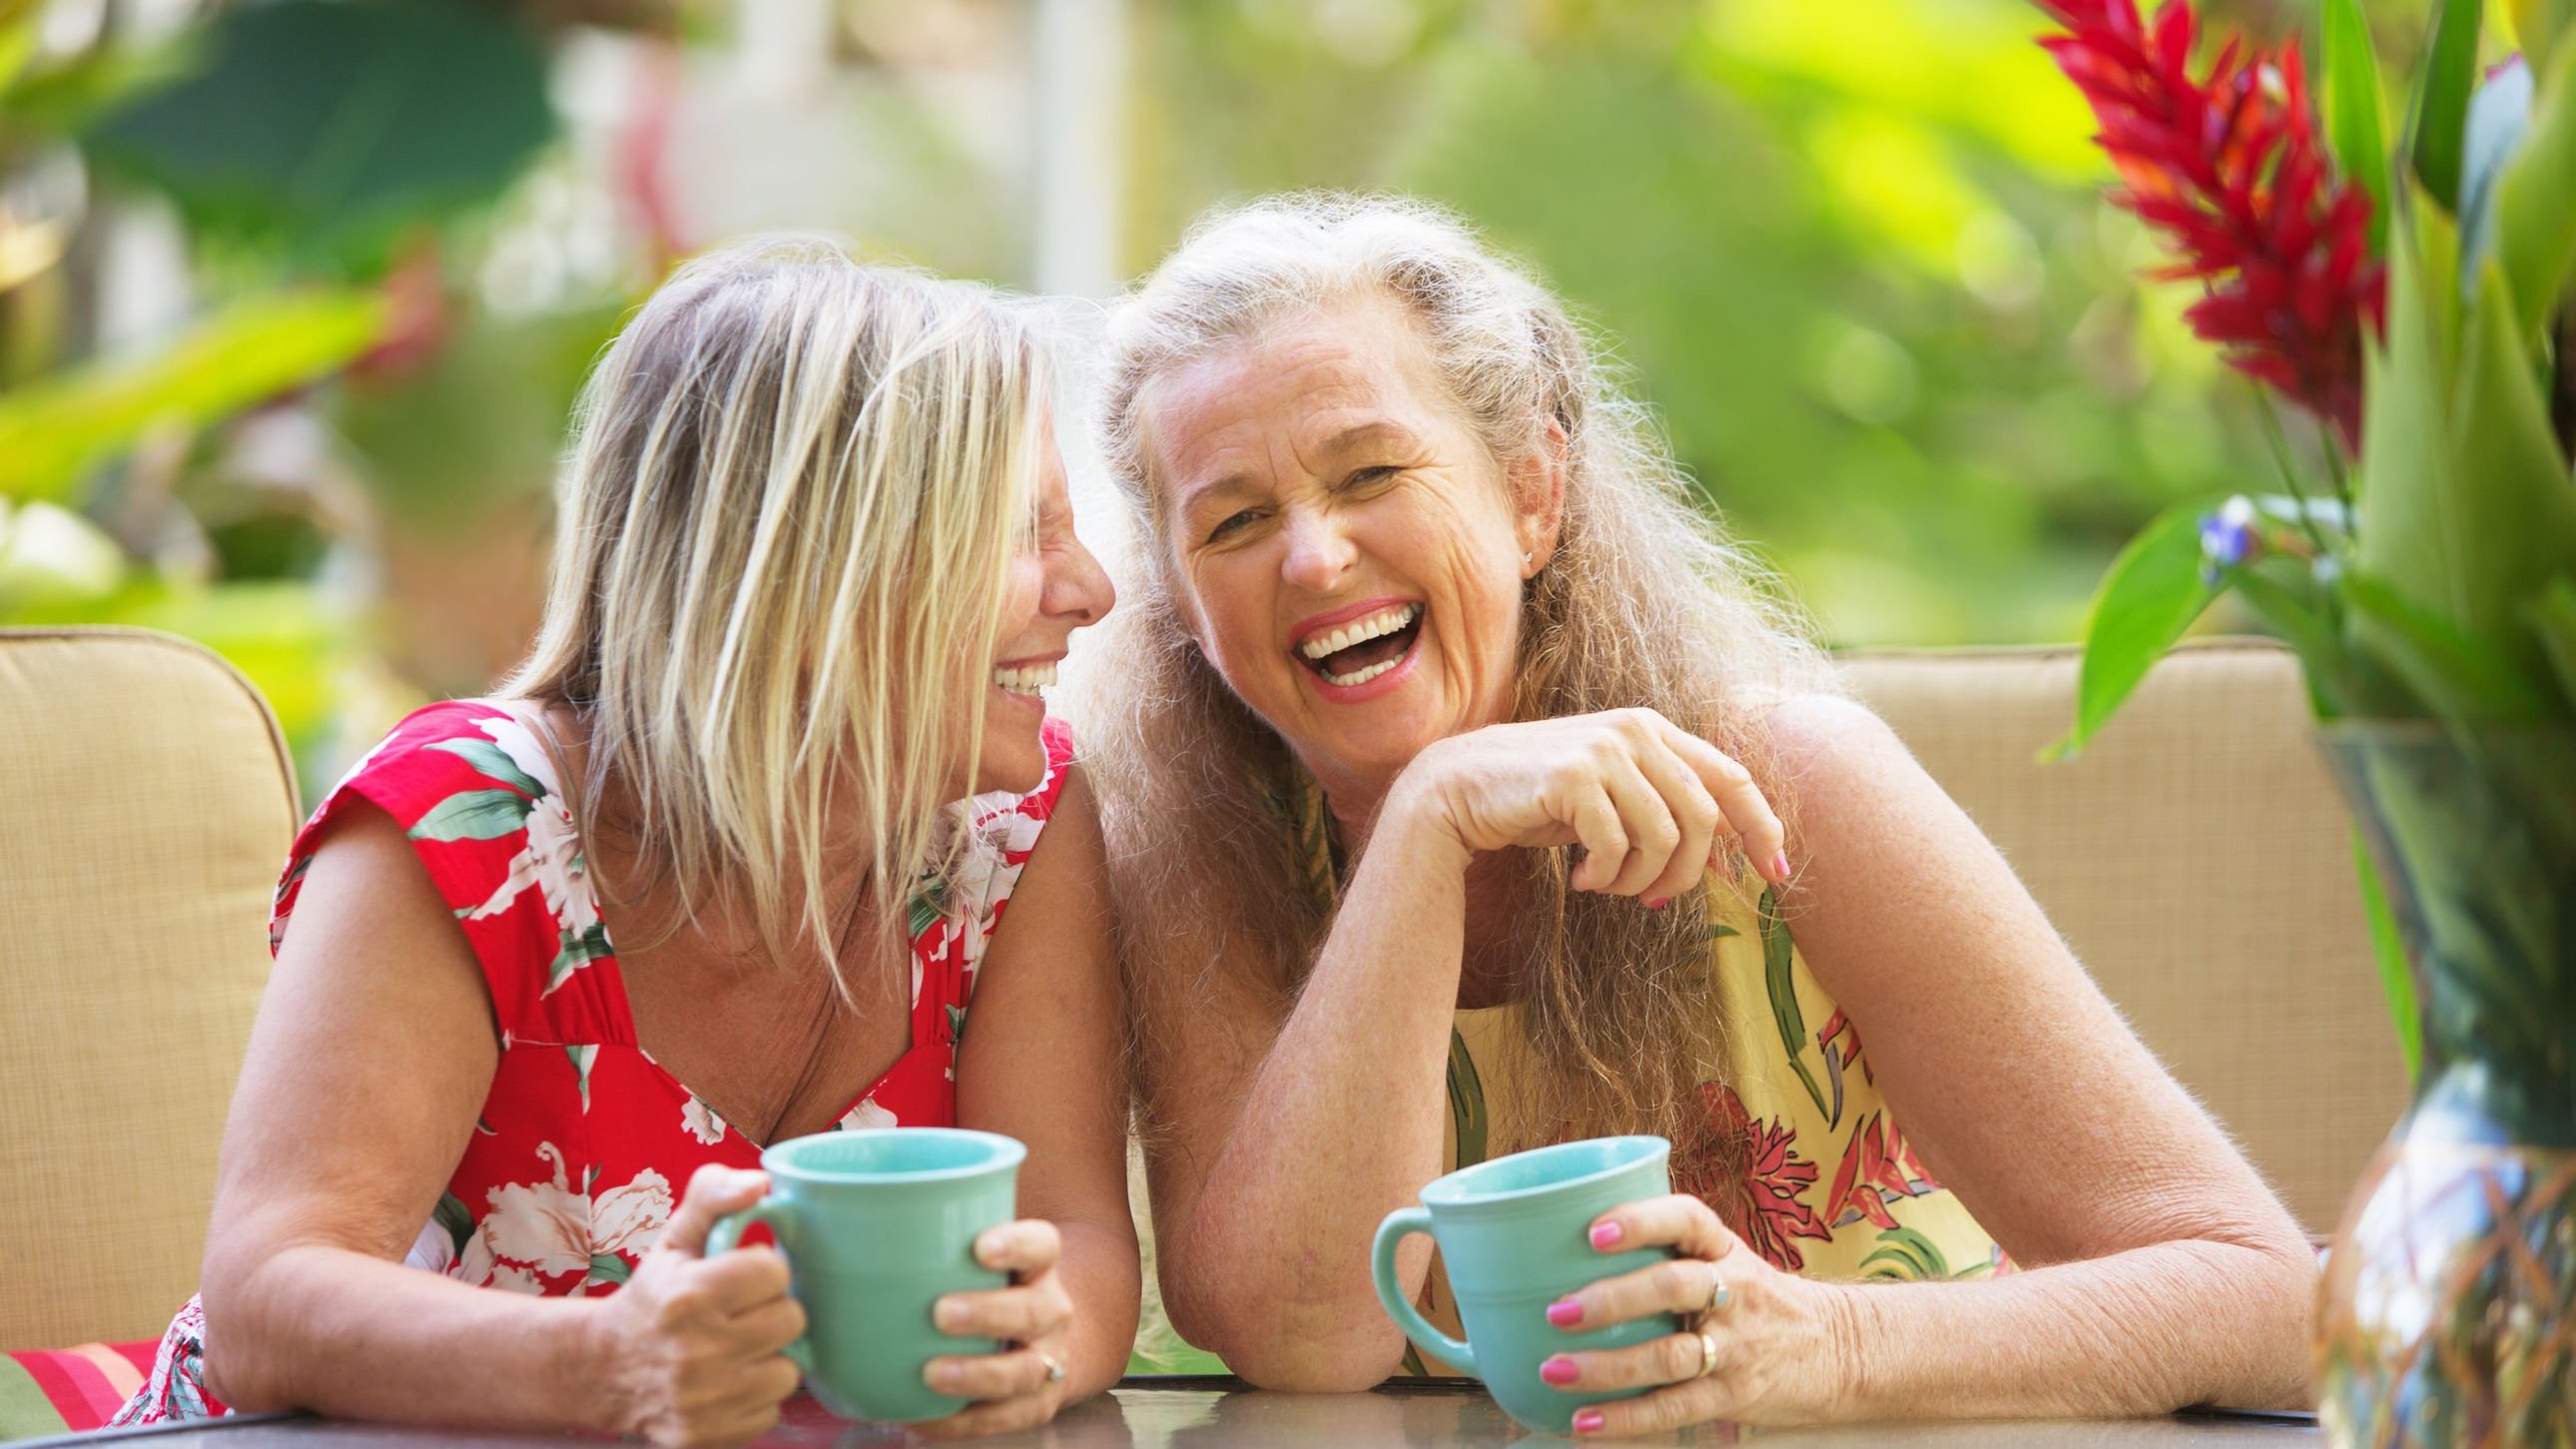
(1319, 553)
(1077, 587)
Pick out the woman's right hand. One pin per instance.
(691, 1348)
(1649, 802)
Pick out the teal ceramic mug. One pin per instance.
(877, 1225)
(1513, 1234)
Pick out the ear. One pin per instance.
(1538, 496)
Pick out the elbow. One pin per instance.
(1296, 1369)
(1284, 1353)
(247, 1367)
(242, 1373)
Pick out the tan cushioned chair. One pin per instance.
(2198, 860)
(150, 803)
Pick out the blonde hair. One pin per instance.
(1645, 602)
(785, 529)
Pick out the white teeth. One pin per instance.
(1363, 676)
(1026, 681)
(1360, 632)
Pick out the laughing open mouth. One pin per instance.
(1363, 649)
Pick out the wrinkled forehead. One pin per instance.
(1284, 395)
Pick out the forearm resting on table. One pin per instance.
(2142, 1332)
(1340, 1126)
(1100, 1275)
(347, 1334)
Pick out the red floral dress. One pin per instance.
(585, 1141)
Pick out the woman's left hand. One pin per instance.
(1022, 1384)
(1774, 1351)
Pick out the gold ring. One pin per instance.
(1707, 1355)
(1055, 1370)
(1719, 1295)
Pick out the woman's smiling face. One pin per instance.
(1349, 551)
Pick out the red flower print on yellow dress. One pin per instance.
(1763, 1204)
(1848, 1052)
(1878, 1165)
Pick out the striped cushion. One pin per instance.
(62, 1390)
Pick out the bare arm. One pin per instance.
(2164, 1273)
(1285, 1142)
(1044, 1061)
(374, 1050)
(2160, 1270)
(1273, 1158)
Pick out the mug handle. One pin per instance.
(726, 1235)
(1399, 1225)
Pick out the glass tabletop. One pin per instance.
(1225, 1414)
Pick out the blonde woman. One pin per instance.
(553, 965)
(1445, 782)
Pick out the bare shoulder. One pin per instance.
(1862, 813)
(1828, 745)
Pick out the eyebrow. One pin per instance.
(1356, 435)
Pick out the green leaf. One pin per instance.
(474, 815)
(2356, 130)
(2151, 594)
(18, 24)
(1779, 979)
(1922, 1247)
(2553, 618)
(2442, 102)
(1902, 1266)
(332, 128)
(2461, 678)
(1467, 1103)
(2290, 605)
(2396, 979)
(928, 903)
(2514, 506)
(53, 432)
(608, 1268)
(582, 1057)
(493, 762)
(56, 101)
(452, 1215)
(2535, 222)
(578, 951)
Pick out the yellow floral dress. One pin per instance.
(1828, 1186)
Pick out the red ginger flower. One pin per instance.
(2231, 170)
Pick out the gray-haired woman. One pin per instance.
(1424, 602)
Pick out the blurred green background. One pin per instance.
(294, 296)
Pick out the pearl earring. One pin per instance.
(1525, 559)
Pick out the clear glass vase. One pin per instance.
(2448, 1312)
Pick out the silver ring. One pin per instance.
(1707, 1355)
(1055, 1370)
(1719, 1295)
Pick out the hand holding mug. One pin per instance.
(692, 1348)
(1022, 1384)
(1756, 1345)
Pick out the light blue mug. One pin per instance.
(878, 1225)
(1514, 1236)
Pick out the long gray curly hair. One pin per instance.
(1646, 602)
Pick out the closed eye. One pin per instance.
(1232, 523)
(1371, 477)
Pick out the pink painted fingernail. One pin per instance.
(1607, 1235)
(1780, 866)
(1565, 1313)
(1559, 1371)
(1588, 1421)
(1659, 904)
